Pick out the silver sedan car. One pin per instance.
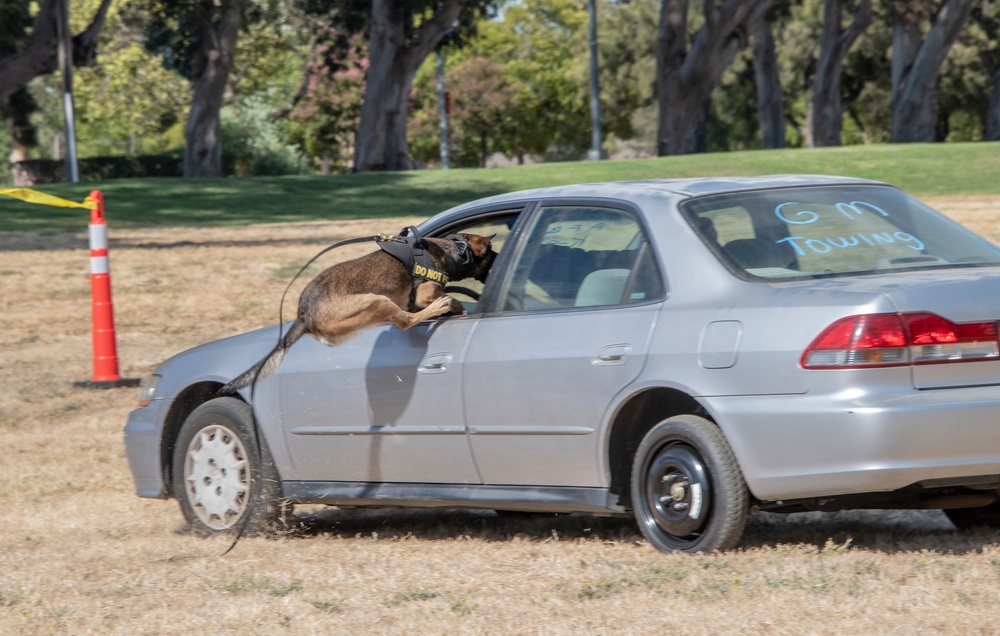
(689, 352)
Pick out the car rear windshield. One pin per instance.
(806, 232)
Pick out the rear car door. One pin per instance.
(569, 330)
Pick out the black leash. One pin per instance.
(419, 242)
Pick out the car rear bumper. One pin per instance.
(802, 446)
(142, 446)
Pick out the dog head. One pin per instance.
(477, 254)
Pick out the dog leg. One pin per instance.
(333, 323)
(405, 320)
(429, 291)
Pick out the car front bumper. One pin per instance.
(860, 440)
(143, 433)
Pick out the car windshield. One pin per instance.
(839, 230)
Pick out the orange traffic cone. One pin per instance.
(102, 314)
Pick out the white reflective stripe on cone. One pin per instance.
(98, 264)
(98, 236)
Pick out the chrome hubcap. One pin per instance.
(217, 476)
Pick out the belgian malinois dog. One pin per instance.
(375, 289)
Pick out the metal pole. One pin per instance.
(442, 110)
(596, 152)
(66, 68)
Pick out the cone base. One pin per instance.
(108, 384)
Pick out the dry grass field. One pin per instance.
(81, 554)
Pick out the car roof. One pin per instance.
(675, 188)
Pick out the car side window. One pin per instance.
(469, 290)
(582, 256)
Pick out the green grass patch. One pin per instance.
(922, 169)
(409, 596)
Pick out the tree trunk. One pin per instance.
(39, 56)
(18, 111)
(993, 114)
(393, 62)
(826, 109)
(916, 66)
(202, 132)
(685, 79)
(770, 103)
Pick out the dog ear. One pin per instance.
(480, 244)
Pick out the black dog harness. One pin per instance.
(411, 252)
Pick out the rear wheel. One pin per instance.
(688, 493)
(968, 518)
(221, 477)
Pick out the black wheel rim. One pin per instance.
(678, 493)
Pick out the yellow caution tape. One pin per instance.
(32, 196)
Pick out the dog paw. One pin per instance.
(441, 305)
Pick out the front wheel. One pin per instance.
(688, 493)
(221, 476)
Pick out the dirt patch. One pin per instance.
(81, 554)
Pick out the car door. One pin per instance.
(380, 407)
(385, 406)
(569, 330)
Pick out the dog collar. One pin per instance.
(416, 259)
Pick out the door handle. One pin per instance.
(612, 354)
(435, 363)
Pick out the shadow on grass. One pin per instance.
(448, 525)
(166, 202)
(882, 531)
(886, 532)
(923, 169)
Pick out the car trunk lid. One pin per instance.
(963, 297)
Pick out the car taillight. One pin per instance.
(888, 340)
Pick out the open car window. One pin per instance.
(832, 231)
(582, 256)
(469, 291)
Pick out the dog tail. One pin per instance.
(268, 364)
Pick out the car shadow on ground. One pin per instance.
(448, 525)
(881, 531)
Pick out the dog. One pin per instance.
(379, 288)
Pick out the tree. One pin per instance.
(402, 35)
(826, 111)
(627, 71)
(126, 99)
(17, 108)
(916, 63)
(685, 78)
(24, 57)
(770, 100)
(38, 54)
(987, 18)
(481, 99)
(325, 117)
(198, 37)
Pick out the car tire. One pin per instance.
(223, 479)
(969, 518)
(688, 493)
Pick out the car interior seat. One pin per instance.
(755, 253)
(602, 287)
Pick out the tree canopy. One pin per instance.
(291, 85)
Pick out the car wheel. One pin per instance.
(688, 493)
(968, 518)
(221, 476)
